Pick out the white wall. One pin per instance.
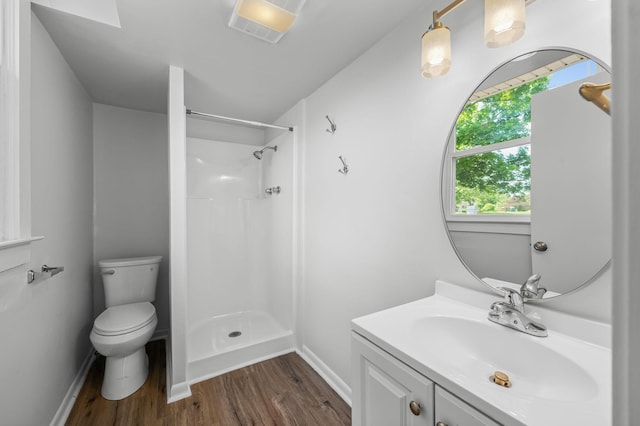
(505, 257)
(626, 195)
(217, 130)
(177, 386)
(375, 238)
(131, 182)
(45, 327)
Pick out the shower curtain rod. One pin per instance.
(238, 120)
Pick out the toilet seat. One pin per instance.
(124, 319)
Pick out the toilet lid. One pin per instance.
(124, 319)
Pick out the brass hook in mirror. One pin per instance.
(594, 93)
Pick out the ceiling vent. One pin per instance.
(267, 20)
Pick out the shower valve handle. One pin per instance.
(272, 190)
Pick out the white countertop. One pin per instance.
(580, 349)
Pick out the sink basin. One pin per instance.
(478, 349)
(564, 378)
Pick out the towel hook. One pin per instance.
(594, 93)
(333, 128)
(345, 168)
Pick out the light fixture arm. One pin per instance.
(437, 15)
(504, 24)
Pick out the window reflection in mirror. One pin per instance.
(491, 161)
(528, 160)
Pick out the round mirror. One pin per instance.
(526, 174)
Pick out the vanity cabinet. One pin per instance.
(385, 392)
(452, 411)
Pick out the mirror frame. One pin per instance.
(443, 211)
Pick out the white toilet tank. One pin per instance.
(130, 280)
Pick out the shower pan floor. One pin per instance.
(227, 342)
(228, 332)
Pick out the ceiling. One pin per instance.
(226, 72)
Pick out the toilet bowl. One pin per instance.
(120, 334)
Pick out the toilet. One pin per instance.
(121, 332)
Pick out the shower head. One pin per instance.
(258, 154)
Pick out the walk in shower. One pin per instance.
(239, 254)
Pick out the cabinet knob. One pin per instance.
(540, 246)
(415, 408)
(441, 424)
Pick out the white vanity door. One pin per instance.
(452, 411)
(385, 390)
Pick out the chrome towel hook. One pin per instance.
(345, 168)
(333, 127)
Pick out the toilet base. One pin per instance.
(124, 375)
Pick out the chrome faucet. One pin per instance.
(531, 289)
(510, 313)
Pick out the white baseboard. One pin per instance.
(336, 383)
(175, 391)
(178, 391)
(160, 335)
(69, 399)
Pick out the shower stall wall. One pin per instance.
(239, 255)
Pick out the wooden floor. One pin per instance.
(281, 391)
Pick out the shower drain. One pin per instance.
(235, 334)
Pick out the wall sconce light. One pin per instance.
(504, 23)
(436, 44)
(436, 50)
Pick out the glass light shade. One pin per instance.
(266, 13)
(504, 21)
(436, 52)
